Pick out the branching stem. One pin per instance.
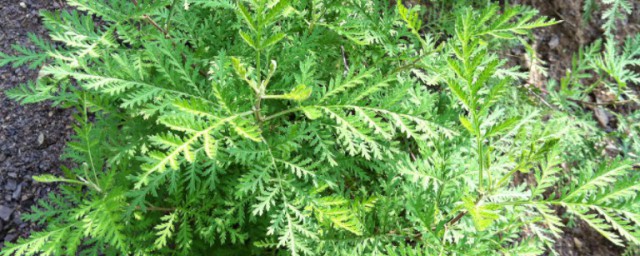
(462, 214)
(155, 24)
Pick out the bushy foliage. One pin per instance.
(313, 127)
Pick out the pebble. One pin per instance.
(10, 237)
(602, 116)
(40, 139)
(5, 212)
(16, 193)
(578, 243)
(23, 5)
(554, 42)
(11, 185)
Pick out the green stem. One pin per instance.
(259, 68)
(506, 177)
(274, 97)
(481, 163)
(461, 214)
(411, 65)
(87, 140)
(479, 146)
(257, 108)
(70, 181)
(312, 23)
(281, 113)
(167, 23)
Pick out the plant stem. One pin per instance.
(479, 145)
(257, 108)
(608, 103)
(405, 67)
(156, 25)
(87, 140)
(167, 23)
(154, 208)
(480, 163)
(282, 113)
(462, 214)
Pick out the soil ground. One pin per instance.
(32, 137)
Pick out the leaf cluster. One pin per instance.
(311, 127)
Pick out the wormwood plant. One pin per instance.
(606, 66)
(212, 127)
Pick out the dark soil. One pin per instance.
(557, 45)
(32, 137)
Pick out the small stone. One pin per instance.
(10, 237)
(612, 149)
(2, 157)
(5, 212)
(554, 42)
(11, 185)
(23, 5)
(12, 175)
(17, 192)
(602, 116)
(40, 139)
(578, 243)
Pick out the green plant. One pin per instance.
(606, 66)
(306, 127)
